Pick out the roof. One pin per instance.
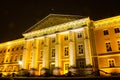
(52, 20)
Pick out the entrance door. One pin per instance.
(66, 66)
(40, 67)
(52, 66)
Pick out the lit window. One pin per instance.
(53, 40)
(106, 32)
(117, 30)
(118, 42)
(80, 49)
(66, 66)
(79, 35)
(111, 62)
(53, 52)
(66, 51)
(108, 46)
(65, 37)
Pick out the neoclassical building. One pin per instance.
(62, 41)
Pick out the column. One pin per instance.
(24, 58)
(72, 55)
(33, 53)
(57, 52)
(45, 60)
(87, 47)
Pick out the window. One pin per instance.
(117, 30)
(11, 58)
(41, 54)
(82, 64)
(111, 62)
(12, 49)
(108, 46)
(8, 50)
(65, 37)
(53, 40)
(42, 42)
(15, 58)
(7, 59)
(22, 48)
(79, 35)
(106, 32)
(66, 51)
(53, 52)
(20, 57)
(17, 48)
(80, 49)
(66, 66)
(118, 43)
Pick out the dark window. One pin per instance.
(16, 58)
(53, 40)
(80, 49)
(12, 49)
(21, 57)
(4, 50)
(17, 48)
(66, 51)
(22, 47)
(118, 42)
(108, 46)
(106, 32)
(53, 52)
(8, 50)
(79, 35)
(117, 30)
(82, 64)
(41, 54)
(65, 37)
(111, 63)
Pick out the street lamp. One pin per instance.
(20, 63)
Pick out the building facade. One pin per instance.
(63, 41)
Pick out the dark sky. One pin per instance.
(16, 16)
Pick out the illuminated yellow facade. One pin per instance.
(107, 37)
(63, 41)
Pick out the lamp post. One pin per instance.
(20, 64)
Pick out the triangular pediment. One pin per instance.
(52, 20)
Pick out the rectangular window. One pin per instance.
(80, 49)
(66, 51)
(79, 35)
(20, 57)
(106, 32)
(66, 66)
(118, 43)
(117, 30)
(41, 54)
(82, 64)
(65, 37)
(53, 52)
(111, 62)
(108, 46)
(53, 40)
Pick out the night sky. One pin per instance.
(16, 16)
